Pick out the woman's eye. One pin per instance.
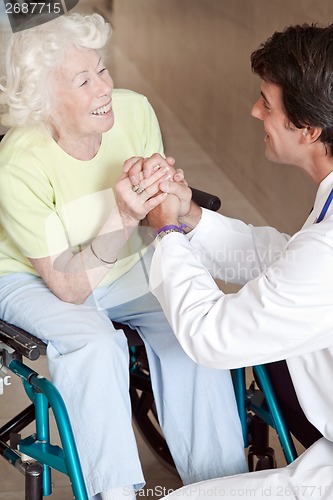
(102, 70)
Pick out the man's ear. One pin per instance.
(310, 134)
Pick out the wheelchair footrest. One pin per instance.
(265, 459)
(46, 453)
(259, 431)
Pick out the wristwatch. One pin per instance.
(167, 230)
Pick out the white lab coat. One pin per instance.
(310, 477)
(283, 311)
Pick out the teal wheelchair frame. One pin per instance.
(258, 410)
(35, 456)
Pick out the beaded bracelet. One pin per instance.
(105, 262)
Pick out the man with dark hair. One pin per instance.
(284, 311)
(299, 62)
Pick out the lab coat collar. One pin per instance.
(323, 192)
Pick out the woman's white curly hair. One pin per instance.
(31, 56)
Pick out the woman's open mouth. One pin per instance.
(102, 110)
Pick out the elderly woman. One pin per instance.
(72, 258)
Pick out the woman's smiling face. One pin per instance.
(82, 90)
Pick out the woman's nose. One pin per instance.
(105, 85)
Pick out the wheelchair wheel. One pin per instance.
(143, 407)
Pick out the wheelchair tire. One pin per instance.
(143, 407)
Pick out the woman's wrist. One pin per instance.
(127, 219)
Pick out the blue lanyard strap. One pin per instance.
(325, 207)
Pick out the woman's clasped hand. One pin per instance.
(153, 179)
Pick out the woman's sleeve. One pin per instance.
(28, 213)
(152, 138)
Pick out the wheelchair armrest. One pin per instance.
(21, 341)
(206, 200)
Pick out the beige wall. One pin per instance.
(196, 55)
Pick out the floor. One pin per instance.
(201, 172)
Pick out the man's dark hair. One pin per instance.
(300, 61)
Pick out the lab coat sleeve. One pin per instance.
(308, 477)
(234, 251)
(285, 312)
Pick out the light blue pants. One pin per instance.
(88, 362)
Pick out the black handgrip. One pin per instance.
(21, 341)
(206, 200)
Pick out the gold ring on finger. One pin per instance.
(137, 189)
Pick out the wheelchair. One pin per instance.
(35, 456)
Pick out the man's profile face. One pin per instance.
(282, 139)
